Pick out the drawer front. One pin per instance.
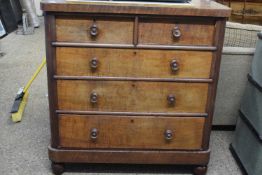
(183, 133)
(94, 30)
(133, 63)
(130, 96)
(172, 32)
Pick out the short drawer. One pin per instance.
(128, 96)
(179, 133)
(176, 32)
(94, 30)
(133, 63)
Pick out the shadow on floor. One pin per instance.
(123, 168)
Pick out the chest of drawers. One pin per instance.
(132, 83)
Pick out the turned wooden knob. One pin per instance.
(171, 99)
(94, 63)
(168, 135)
(174, 65)
(176, 32)
(94, 133)
(94, 30)
(93, 97)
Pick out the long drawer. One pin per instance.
(128, 96)
(133, 63)
(179, 133)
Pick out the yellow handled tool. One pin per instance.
(22, 96)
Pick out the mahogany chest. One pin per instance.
(132, 82)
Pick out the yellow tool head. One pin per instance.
(17, 117)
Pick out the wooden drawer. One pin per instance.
(133, 63)
(105, 30)
(181, 133)
(176, 32)
(130, 96)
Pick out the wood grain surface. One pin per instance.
(198, 8)
(130, 132)
(51, 65)
(110, 30)
(131, 96)
(132, 63)
(125, 156)
(159, 31)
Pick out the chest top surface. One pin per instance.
(194, 8)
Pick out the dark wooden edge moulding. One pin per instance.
(95, 78)
(110, 16)
(131, 46)
(131, 113)
(215, 68)
(50, 35)
(203, 9)
(129, 156)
